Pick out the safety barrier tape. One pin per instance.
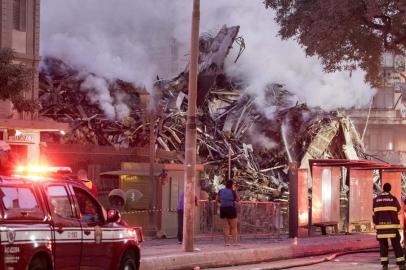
(148, 211)
(165, 210)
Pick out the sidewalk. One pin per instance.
(168, 255)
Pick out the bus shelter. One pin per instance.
(333, 177)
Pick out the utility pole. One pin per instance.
(190, 145)
(293, 200)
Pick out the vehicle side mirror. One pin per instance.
(113, 215)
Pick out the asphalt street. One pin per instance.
(358, 261)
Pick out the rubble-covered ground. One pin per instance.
(231, 123)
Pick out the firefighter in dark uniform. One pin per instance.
(387, 225)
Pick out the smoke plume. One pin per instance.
(134, 39)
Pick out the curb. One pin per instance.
(187, 261)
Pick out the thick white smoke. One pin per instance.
(129, 39)
(261, 140)
(269, 59)
(97, 89)
(98, 93)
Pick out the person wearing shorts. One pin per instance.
(228, 213)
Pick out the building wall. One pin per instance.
(20, 29)
(385, 133)
(25, 143)
(166, 57)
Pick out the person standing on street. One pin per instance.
(181, 206)
(228, 212)
(386, 208)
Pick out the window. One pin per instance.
(400, 140)
(89, 209)
(15, 198)
(381, 140)
(387, 60)
(20, 15)
(59, 201)
(384, 99)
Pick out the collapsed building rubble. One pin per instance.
(230, 124)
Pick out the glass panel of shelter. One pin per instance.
(357, 215)
(360, 212)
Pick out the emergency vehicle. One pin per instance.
(54, 222)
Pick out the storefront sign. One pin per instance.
(23, 138)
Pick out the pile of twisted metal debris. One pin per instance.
(230, 124)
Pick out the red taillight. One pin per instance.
(132, 233)
(136, 233)
(140, 235)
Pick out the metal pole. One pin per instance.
(310, 209)
(293, 200)
(154, 188)
(310, 201)
(347, 220)
(229, 161)
(190, 146)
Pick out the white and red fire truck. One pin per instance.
(53, 222)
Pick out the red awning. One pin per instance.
(355, 164)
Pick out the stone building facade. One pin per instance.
(383, 126)
(20, 31)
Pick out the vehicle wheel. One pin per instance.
(38, 263)
(128, 263)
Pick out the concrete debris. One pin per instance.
(229, 121)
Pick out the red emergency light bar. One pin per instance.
(41, 170)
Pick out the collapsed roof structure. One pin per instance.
(230, 124)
